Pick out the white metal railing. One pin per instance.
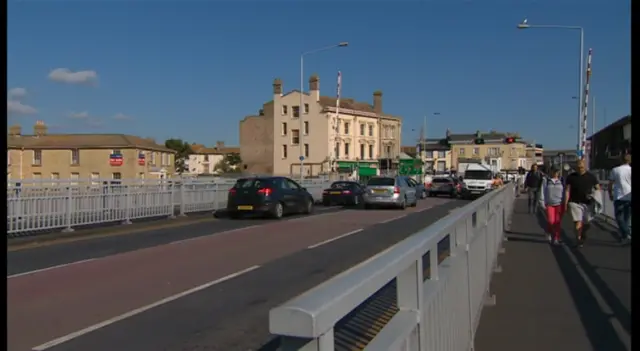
(440, 312)
(64, 204)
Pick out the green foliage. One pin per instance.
(231, 163)
(183, 150)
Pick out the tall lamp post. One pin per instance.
(301, 107)
(525, 25)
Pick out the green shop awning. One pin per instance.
(365, 168)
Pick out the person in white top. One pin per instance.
(620, 194)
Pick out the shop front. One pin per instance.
(363, 169)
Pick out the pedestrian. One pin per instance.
(579, 200)
(551, 197)
(532, 183)
(620, 195)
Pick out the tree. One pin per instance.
(230, 163)
(183, 150)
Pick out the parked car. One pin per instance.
(445, 186)
(421, 190)
(389, 192)
(343, 193)
(269, 196)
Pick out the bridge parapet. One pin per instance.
(439, 296)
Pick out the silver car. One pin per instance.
(389, 191)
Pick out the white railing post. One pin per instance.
(470, 231)
(182, 200)
(128, 205)
(409, 286)
(172, 196)
(68, 211)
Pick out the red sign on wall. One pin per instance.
(116, 160)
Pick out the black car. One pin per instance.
(445, 186)
(269, 196)
(343, 193)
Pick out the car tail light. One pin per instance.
(265, 191)
(346, 192)
(396, 190)
(232, 191)
(428, 185)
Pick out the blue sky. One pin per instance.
(193, 69)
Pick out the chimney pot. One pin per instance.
(314, 87)
(40, 129)
(15, 130)
(377, 101)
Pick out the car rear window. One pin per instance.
(341, 185)
(478, 175)
(381, 182)
(441, 180)
(252, 183)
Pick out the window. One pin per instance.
(284, 151)
(8, 158)
(116, 152)
(362, 129)
(388, 148)
(362, 149)
(116, 176)
(442, 154)
(428, 154)
(285, 110)
(306, 108)
(346, 149)
(74, 178)
(306, 150)
(476, 151)
(295, 136)
(513, 152)
(306, 128)
(337, 150)
(284, 128)
(370, 130)
(461, 151)
(296, 111)
(153, 158)
(95, 178)
(493, 151)
(141, 175)
(165, 159)
(206, 158)
(75, 157)
(346, 127)
(37, 157)
(37, 175)
(371, 152)
(55, 176)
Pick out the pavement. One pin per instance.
(559, 298)
(207, 286)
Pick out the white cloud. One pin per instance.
(19, 108)
(17, 93)
(65, 75)
(79, 115)
(121, 116)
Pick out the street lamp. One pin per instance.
(301, 107)
(525, 25)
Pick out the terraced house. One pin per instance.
(354, 136)
(505, 151)
(43, 156)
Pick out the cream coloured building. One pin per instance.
(327, 137)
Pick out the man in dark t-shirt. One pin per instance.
(579, 189)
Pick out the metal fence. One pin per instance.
(438, 303)
(35, 206)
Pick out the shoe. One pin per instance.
(549, 238)
(556, 242)
(580, 242)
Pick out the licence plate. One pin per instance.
(379, 191)
(245, 208)
(335, 193)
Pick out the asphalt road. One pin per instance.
(171, 297)
(38, 258)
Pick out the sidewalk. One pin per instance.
(558, 298)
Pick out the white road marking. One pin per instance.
(392, 219)
(314, 216)
(334, 239)
(50, 268)
(218, 233)
(132, 313)
(426, 208)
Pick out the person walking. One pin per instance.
(620, 195)
(551, 197)
(532, 183)
(578, 199)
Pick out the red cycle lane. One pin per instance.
(46, 305)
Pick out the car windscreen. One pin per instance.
(381, 182)
(478, 175)
(253, 183)
(441, 180)
(341, 185)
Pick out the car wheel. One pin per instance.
(308, 209)
(403, 205)
(423, 195)
(278, 211)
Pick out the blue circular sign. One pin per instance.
(301, 158)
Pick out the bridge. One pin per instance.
(446, 275)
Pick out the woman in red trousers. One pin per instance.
(551, 198)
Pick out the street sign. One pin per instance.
(579, 153)
(301, 158)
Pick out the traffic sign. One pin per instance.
(301, 158)
(579, 153)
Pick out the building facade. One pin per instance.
(327, 137)
(204, 159)
(44, 156)
(610, 143)
(504, 151)
(559, 158)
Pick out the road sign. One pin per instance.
(579, 153)
(301, 158)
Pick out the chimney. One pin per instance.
(219, 144)
(377, 101)
(314, 87)
(277, 87)
(15, 130)
(448, 133)
(39, 129)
